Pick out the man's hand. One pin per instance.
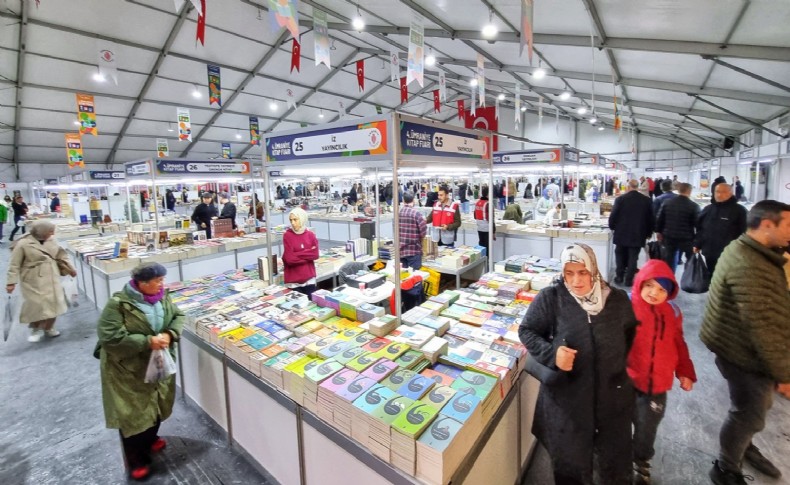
(686, 384)
(443, 227)
(784, 389)
(565, 357)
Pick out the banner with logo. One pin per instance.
(442, 87)
(361, 74)
(255, 132)
(429, 140)
(226, 151)
(184, 125)
(296, 55)
(214, 85)
(346, 141)
(108, 63)
(517, 99)
(320, 38)
(162, 149)
(483, 119)
(526, 28)
(290, 99)
(200, 33)
(74, 154)
(87, 115)
(394, 64)
(437, 104)
(181, 167)
(460, 105)
(285, 13)
(415, 64)
(481, 80)
(404, 90)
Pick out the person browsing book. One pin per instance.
(300, 250)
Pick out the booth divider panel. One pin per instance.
(499, 461)
(203, 380)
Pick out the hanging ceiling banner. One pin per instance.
(361, 74)
(483, 119)
(437, 104)
(526, 28)
(162, 149)
(320, 38)
(138, 168)
(557, 119)
(517, 99)
(296, 55)
(429, 140)
(214, 85)
(285, 13)
(108, 62)
(394, 64)
(86, 114)
(289, 96)
(496, 108)
(226, 150)
(347, 141)
(184, 125)
(415, 64)
(341, 109)
(481, 80)
(404, 90)
(106, 175)
(378, 110)
(442, 87)
(255, 132)
(472, 101)
(540, 113)
(213, 167)
(200, 34)
(461, 111)
(550, 155)
(74, 154)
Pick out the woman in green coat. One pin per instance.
(137, 320)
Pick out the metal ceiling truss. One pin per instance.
(745, 119)
(734, 137)
(20, 71)
(748, 73)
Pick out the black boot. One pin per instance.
(760, 463)
(726, 477)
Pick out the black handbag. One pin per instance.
(544, 373)
(696, 277)
(654, 250)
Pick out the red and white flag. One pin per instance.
(296, 56)
(200, 35)
(361, 74)
(461, 112)
(404, 90)
(437, 104)
(483, 119)
(526, 28)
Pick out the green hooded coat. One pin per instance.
(124, 349)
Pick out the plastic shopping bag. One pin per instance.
(696, 277)
(71, 291)
(10, 314)
(160, 366)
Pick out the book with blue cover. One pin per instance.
(440, 433)
(392, 408)
(416, 387)
(470, 382)
(356, 387)
(461, 406)
(373, 398)
(438, 396)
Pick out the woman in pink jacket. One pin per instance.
(300, 250)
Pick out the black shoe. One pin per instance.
(618, 280)
(725, 477)
(629, 282)
(641, 474)
(761, 463)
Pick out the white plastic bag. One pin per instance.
(71, 291)
(160, 366)
(12, 307)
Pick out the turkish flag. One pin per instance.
(201, 24)
(461, 111)
(296, 56)
(361, 74)
(404, 90)
(437, 104)
(484, 119)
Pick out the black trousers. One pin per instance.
(483, 241)
(625, 258)
(648, 413)
(16, 228)
(137, 448)
(306, 289)
(672, 246)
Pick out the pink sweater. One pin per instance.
(299, 252)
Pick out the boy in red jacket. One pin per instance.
(658, 354)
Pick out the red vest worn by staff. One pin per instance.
(480, 210)
(444, 215)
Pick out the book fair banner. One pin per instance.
(74, 153)
(106, 175)
(320, 38)
(184, 125)
(481, 80)
(138, 168)
(87, 115)
(285, 13)
(437, 104)
(213, 167)
(394, 64)
(226, 150)
(162, 150)
(428, 140)
(214, 85)
(347, 141)
(255, 132)
(415, 63)
(527, 7)
(200, 33)
(548, 155)
(517, 99)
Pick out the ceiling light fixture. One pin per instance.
(170, 127)
(473, 81)
(99, 77)
(600, 128)
(539, 73)
(430, 59)
(523, 108)
(321, 114)
(77, 122)
(196, 92)
(273, 105)
(565, 96)
(593, 120)
(358, 22)
(238, 135)
(582, 111)
(489, 30)
(501, 96)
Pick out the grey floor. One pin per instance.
(52, 428)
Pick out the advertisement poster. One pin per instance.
(226, 151)
(74, 153)
(415, 64)
(86, 114)
(255, 132)
(184, 125)
(214, 86)
(347, 141)
(320, 37)
(427, 140)
(162, 150)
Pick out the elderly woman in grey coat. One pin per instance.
(580, 330)
(37, 263)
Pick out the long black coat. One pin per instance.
(631, 219)
(597, 394)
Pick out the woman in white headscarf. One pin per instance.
(579, 332)
(300, 250)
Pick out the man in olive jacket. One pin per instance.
(746, 326)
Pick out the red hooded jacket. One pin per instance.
(659, 352)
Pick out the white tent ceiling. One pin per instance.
(659, 54)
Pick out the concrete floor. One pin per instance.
(52, 427)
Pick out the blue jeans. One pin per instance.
(414, 262)
(465, 207)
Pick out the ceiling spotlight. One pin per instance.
(565, 96)
(539, 73)
(273, 105)
(523, 108)
(333, 47)
(238, 136)
(99, 77)
(196, 92)
(430, 60)
(489, 30)
(358, 23)
(473, 81)
(600, 128)
(593, 120)
(321, 114)
(582, 111)
(501, 96)
(170, 127)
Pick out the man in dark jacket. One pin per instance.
(228, 209)
(746, 326)
(719, 224)
(54, 202)
(666, 189)
(675, 225)
(738, 189)
(204, 213)
(632, 222)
